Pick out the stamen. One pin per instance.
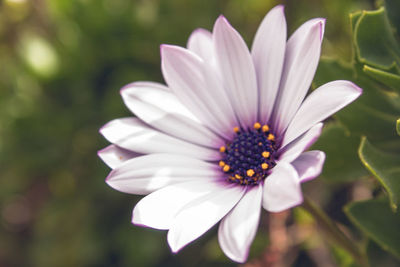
(226, 168)
(250, 172)
(264, 166)
(248, 158)
(265, 154)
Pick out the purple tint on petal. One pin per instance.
(114, 156)
(309, 165)
(301, 60)
(320, 104)
(292, 150)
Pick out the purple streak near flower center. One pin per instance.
(249, 157)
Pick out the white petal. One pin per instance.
(237, 70)
(320, 104)
(145, 174)
(282, 188)
(155, 105)
(159, 209)
(238, 229)
(268, 52)
(200, 42)
(114, 156)
(197, 86)
(302, 143)
(200, 215)
(133, 134)
(301, 60)
(309, 164)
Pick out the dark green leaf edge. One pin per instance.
(364, 141)
(356, 19)
(398, 126)
(389, 79)
(347, 209)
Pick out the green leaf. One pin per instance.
(378, 257)
(374, 40)
(342, 163)
(392, 7)
(330, 69)
(378, 222)
(389, 79)
(398, 126)
(373, 113)
(354, 17)
(385, 167)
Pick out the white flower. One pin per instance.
(226, 136)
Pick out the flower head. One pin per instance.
(227, 135)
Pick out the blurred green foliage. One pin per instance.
(62, 64)
(375, 67)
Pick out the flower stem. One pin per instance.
(330, 229)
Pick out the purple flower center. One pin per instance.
(248, 158)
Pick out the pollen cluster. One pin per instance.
(248, 158)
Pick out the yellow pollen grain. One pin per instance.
(250, 172)
(265, 128)
(226, 168)
(221, 163)
(265, 154)
(271, 137)
(237, 176)
(222, 149)
(264, 166)
(257, 125)
(236, 129)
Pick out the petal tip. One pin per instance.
(102, 128)
(135, 220)
(222, 21)
(357, 88)
(279, 7)
(200, 31)
(101, 151)
(172, 245)
(125, 88)
(322, 22)
(166, 48)
(161, 49)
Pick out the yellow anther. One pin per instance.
(265, 128)
(236, 129)
(250, 172)
(221, 163)
(264, 166)
(226, 168)
(271, 137)
(222, 149)
(265, 154)
(257, 125)
(237, 176)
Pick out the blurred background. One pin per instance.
(62, 63)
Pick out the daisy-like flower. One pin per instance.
(227, 135)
